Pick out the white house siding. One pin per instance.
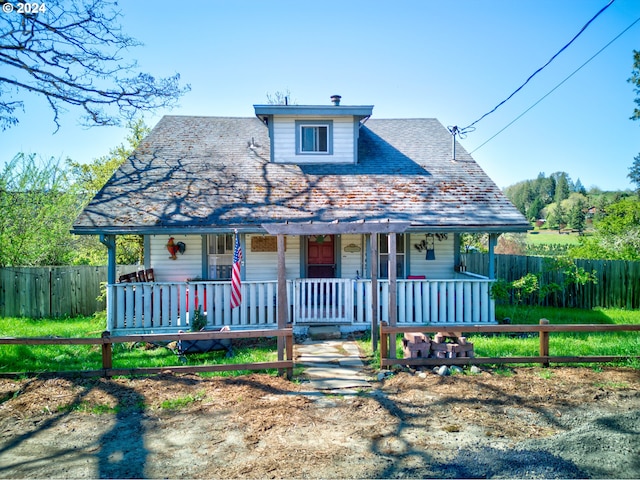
(264, 265)
(284, 141)
(187, 266)
(351, 262)
(261, 266)
(440, 268)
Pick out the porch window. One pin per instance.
(383, 256)
(220, 250)
(314, 137)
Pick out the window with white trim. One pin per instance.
(314, 137)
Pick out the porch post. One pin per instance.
(109, 241)
(393, 292)
(283, 307)
(493, 241)
(373, 256)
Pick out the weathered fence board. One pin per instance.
(617, 281)
(42, 292)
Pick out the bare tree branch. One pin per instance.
(74, 54)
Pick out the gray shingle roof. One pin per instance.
(204, 173)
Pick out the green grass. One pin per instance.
(182, 402)
(64, 327)
(560, 344)
(43, 358)
(563, 344)
(544, 237)
(51, 358)
(48, 358)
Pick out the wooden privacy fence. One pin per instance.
(388, 334)
(617, 281)
(45, 292)
(284, 362)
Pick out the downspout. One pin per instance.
(109, 241)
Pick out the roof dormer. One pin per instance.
(304, 134)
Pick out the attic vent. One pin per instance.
(335, 99)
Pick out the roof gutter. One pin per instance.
(304, 228)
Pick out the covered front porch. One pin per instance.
(159, 307)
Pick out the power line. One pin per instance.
(542, 67)
(554, 88)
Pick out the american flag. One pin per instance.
(236, 293)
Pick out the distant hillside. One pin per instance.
(555, 201)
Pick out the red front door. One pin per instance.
(321, 260)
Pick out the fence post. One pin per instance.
(384, 342)
(544, 343)
(107, 358)
(289, 350)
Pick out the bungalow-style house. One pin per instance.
(342, 219)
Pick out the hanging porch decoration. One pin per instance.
(174, 247)
(431, 250)
(428, 244)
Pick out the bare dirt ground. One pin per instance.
(534, 423)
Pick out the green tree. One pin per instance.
(576, 218)
(38, 204)
(470, 242)
(533, 212)
(90, 178)
(535, 288)
(563, 186)
(617, 234)
(556, 216)
(634, 173)
(73, 55)
(546, 188)
(635, 80)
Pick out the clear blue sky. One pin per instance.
(450, 60)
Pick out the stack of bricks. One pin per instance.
(451, 345)
(443, 345)
(416, 345)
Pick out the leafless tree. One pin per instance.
(73, 53)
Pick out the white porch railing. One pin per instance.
(167, 306)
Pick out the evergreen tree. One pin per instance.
(634, 173)
(563, 186)
(546, 188)
(576, 218)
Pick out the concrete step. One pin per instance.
(324, 332)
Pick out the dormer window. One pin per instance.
(314, 134)
(314, 137)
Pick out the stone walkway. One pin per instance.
(331, 365)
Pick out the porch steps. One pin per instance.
(332, 366)
(324, 332)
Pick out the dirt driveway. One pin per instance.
(529, 423)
